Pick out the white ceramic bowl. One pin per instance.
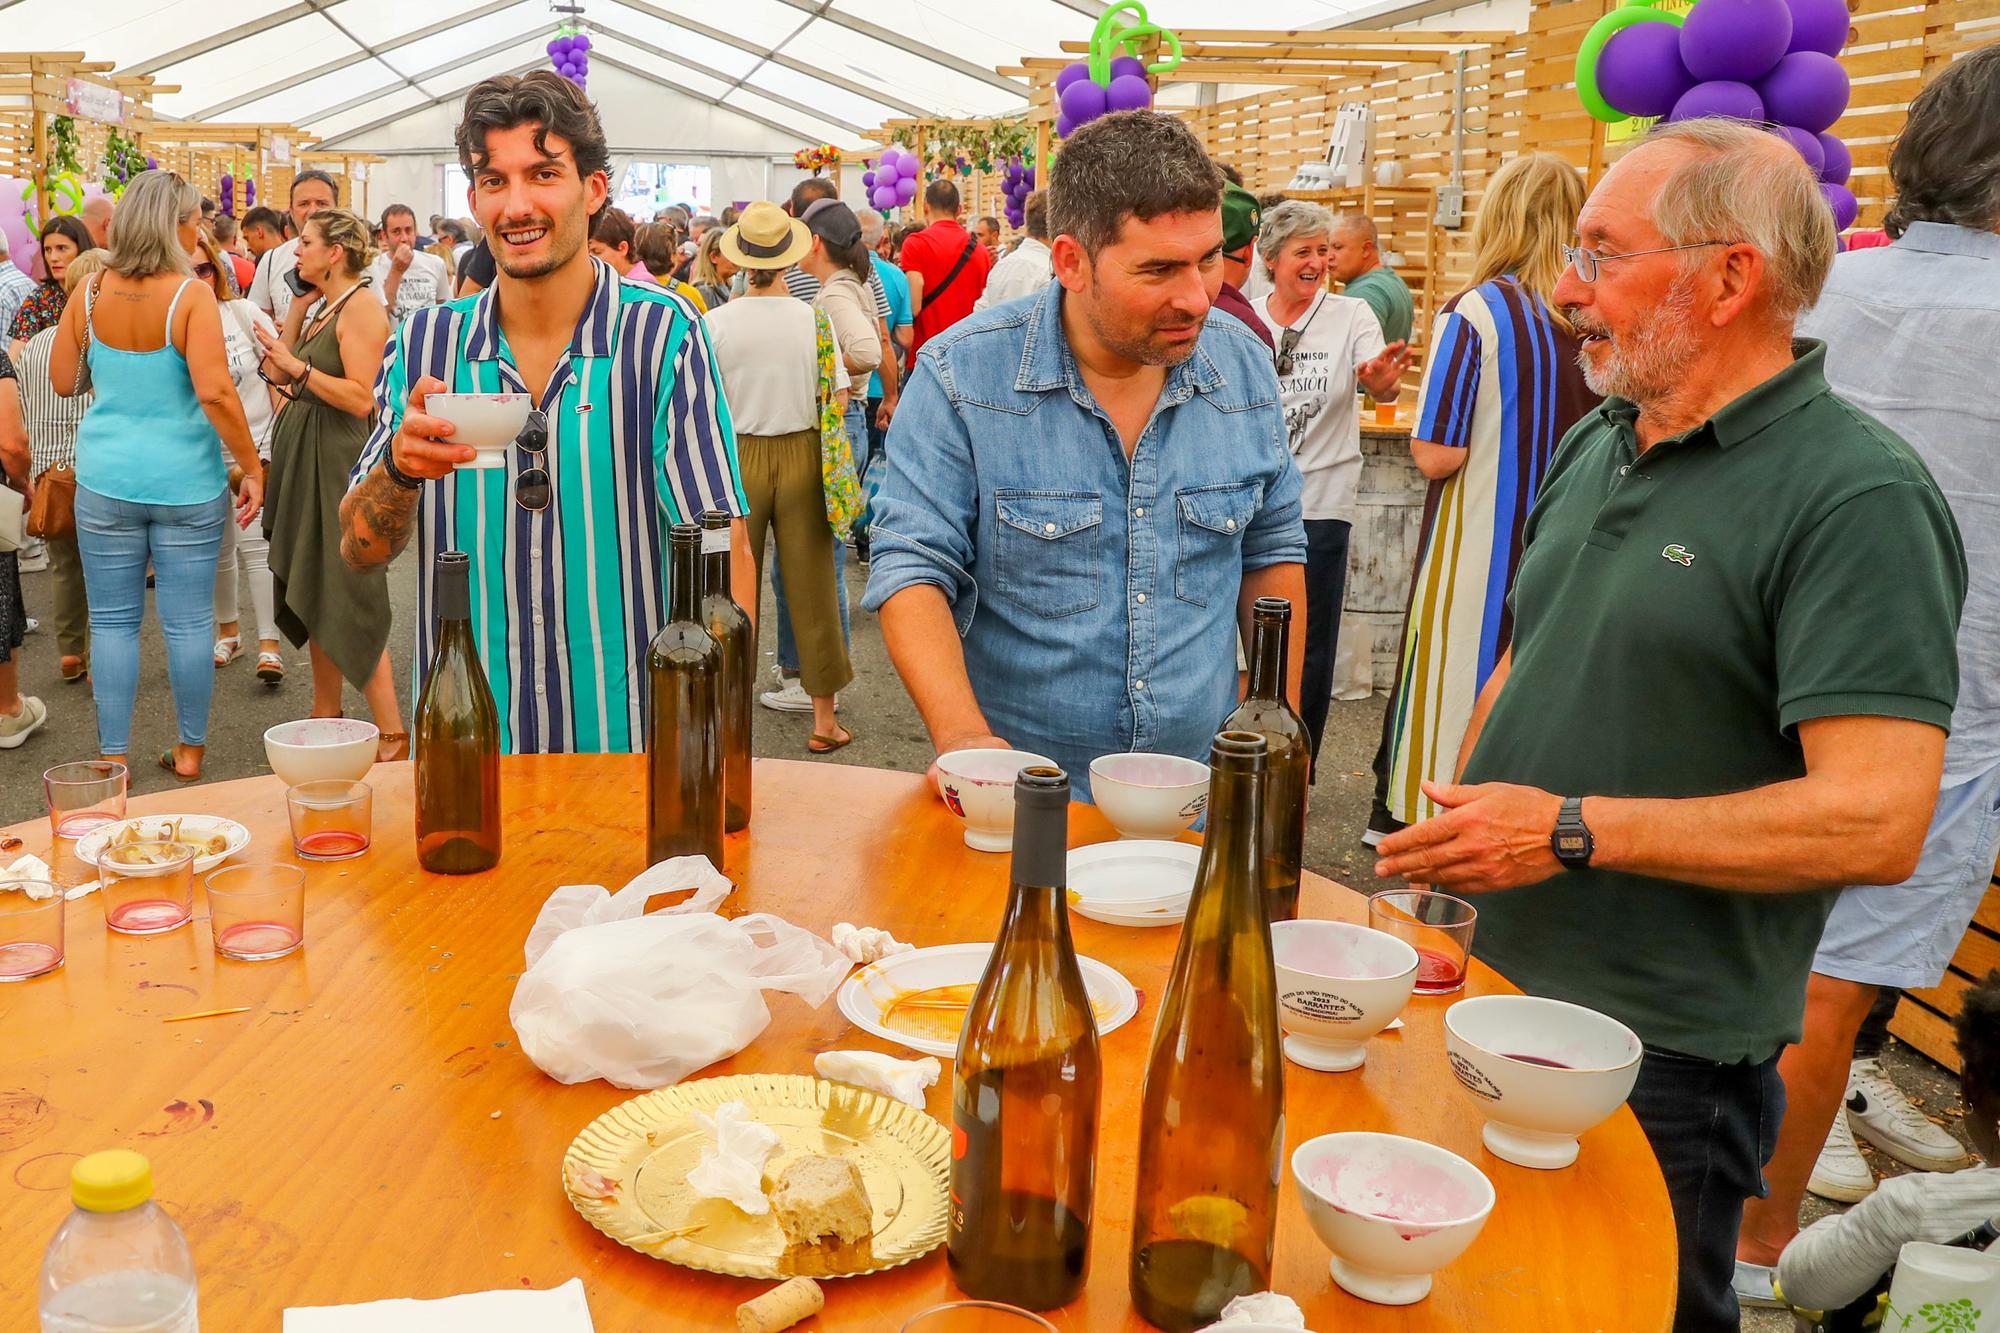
(1149, 795)
(321, 747)
(1541, 1072)
(1392, 1210)
(978, 787)
(1338, 985)
(486, 421)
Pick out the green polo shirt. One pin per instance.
(1677, 614)
(1389, 297)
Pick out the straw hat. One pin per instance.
(765, 238)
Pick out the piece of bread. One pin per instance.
(823, 1196)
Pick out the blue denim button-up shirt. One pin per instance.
(1096, 596)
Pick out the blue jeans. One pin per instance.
(116, 539)
(788, 647)
(869, 466)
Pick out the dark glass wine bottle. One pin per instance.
(729, 625)
(684, 804)
(1287, 764)
(1212, 1115)
(457, 739)
(1025, 1086)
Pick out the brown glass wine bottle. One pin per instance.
(729, 625)
(457, 735)
(684, 802)
(1212, 1117)
(1287, 764)
(1025, 1085)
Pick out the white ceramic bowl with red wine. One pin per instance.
(1338, 985)
(489, 422)
(978, 786)
(1541, 1071)
(317, 748)
(1149, 795)
(1392, 1210)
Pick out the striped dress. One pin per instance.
(1503, 384)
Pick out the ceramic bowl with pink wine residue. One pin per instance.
(978, 787)
(1393, 1210)
(1541, 1071)
(1338, 985)
(1149, 795)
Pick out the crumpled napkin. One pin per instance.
(905, 1080)
(733, 1168)
(1261, 1307)
(866, 944)
(32, 867)
(561, 1310)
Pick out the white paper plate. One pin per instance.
(90, 844)
(1135, 882)
(865, 995)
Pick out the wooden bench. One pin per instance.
(1924, 1018)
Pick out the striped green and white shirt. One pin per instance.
(566, 600)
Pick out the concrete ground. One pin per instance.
(889, 732)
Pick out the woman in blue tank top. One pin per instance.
(147, 341)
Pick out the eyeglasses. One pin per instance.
(1585, 262)
(531, 486)
(204, 270)
(1288, 343)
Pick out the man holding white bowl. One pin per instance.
(629, 434)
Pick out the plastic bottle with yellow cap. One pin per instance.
(117, 1262)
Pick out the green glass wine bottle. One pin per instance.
(684, 802)
(1288, 763)
(729, 625)
(1212, 1113)
(457, 734)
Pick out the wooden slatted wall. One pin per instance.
(1924, 1019)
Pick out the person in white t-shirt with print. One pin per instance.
(1328, 347)
(404, 277)
(269, 290)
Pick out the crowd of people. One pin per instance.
(1709, 569)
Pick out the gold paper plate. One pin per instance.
(649, 1144)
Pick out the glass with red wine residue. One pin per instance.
(31, 928)
(1437, 925)
(84, 796)
(147, 887)
(257, 912)
(331, 819)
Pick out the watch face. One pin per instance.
(1570, 844)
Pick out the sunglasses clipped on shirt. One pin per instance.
(532, 489)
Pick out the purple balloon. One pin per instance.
(906, 189)
(1069, 74)
(1123, 65)
(568, 44)
(1839, 162)
(1735, 39)
(884, 196)
(887, 162)
(1640, 70)
(1843, 203)
(1807, 144)
(1819, 25)
(1064, 127)
(1082, 102)
(867, 180)
(554, 48)
(1720, 97)
(907, 166)
(582, 42)
(1128, 92)
(1807, 89)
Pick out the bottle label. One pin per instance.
(715, 541)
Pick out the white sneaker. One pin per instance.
(34, 561)
(34, 626)
(17, 727)
(1756, 1286)
(1883, 1115)
(790, 697)
(1841, 1173)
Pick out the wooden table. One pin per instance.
(370, 1129)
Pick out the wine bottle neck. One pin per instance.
(715, 573)
(1268, 649)
(1235, 814)
(684, 584)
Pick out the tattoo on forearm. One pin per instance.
(376, 520)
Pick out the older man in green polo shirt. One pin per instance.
(1732, 672)
(1355, 260)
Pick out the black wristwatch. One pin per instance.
(397, 475)
(1571, 842)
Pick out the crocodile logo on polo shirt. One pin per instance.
(1677, 553)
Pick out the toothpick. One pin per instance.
(207, 1013)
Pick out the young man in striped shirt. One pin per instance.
(631, 435)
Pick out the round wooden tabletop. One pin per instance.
(368, 1128)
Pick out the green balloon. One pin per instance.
(1602, 31)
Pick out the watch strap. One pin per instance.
(396, 474)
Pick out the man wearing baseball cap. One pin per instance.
(1240, 219)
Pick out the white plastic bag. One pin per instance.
(642, 1000)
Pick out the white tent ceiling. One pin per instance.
(821, 69)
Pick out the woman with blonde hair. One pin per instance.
(712, 270)
(324, 366)
(1501, 387)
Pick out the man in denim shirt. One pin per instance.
(1085, 494)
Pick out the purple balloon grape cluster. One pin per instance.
(571, 57)
(893, 180)
(1771, 61)
(1020, 184)
(1081, 99)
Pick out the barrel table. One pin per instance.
(1381, 554)
(368, 1127)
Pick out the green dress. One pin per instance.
(314, 447)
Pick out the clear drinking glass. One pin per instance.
(1437, 925)
(31, 929)
(83, 797)
(257, 911)
(147, 887)
(976, 1317)
(331, 818)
